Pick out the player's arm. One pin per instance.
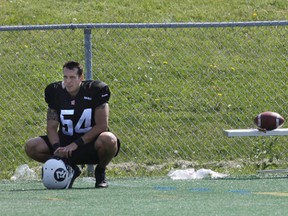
(101, 117)
(52, 127)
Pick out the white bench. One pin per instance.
(256, 132)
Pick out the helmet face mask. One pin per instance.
(56, 174)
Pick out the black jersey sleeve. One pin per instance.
(51, 95)
(101, 93)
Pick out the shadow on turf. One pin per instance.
(44, 189)
(252, 178)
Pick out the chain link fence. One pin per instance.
(175, 87)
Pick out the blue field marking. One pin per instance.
(240, 191)
(165, 188)
(200, 190)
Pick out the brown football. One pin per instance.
(269, 120)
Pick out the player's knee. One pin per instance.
(33, 146)
(29, 147)
(107, 140)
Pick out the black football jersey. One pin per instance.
(76, 114)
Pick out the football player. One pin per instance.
(77, 124)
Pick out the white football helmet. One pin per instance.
(56, 174)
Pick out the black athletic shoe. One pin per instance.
(77, 173)
(100, 177)
(102, 184)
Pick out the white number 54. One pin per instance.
(83, 125)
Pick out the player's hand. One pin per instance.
(66, 151)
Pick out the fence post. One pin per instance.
(88, 74)
(88, 54)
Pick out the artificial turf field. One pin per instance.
(148, 196)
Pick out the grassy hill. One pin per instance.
(30, 12)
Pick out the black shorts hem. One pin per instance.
(85, 154)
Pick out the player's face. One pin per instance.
(72, 80)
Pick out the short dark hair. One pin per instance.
(72, 64)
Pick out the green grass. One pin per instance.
(148, 196)
(48, 12)
(213, 70)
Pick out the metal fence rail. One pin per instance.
(175, 87)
